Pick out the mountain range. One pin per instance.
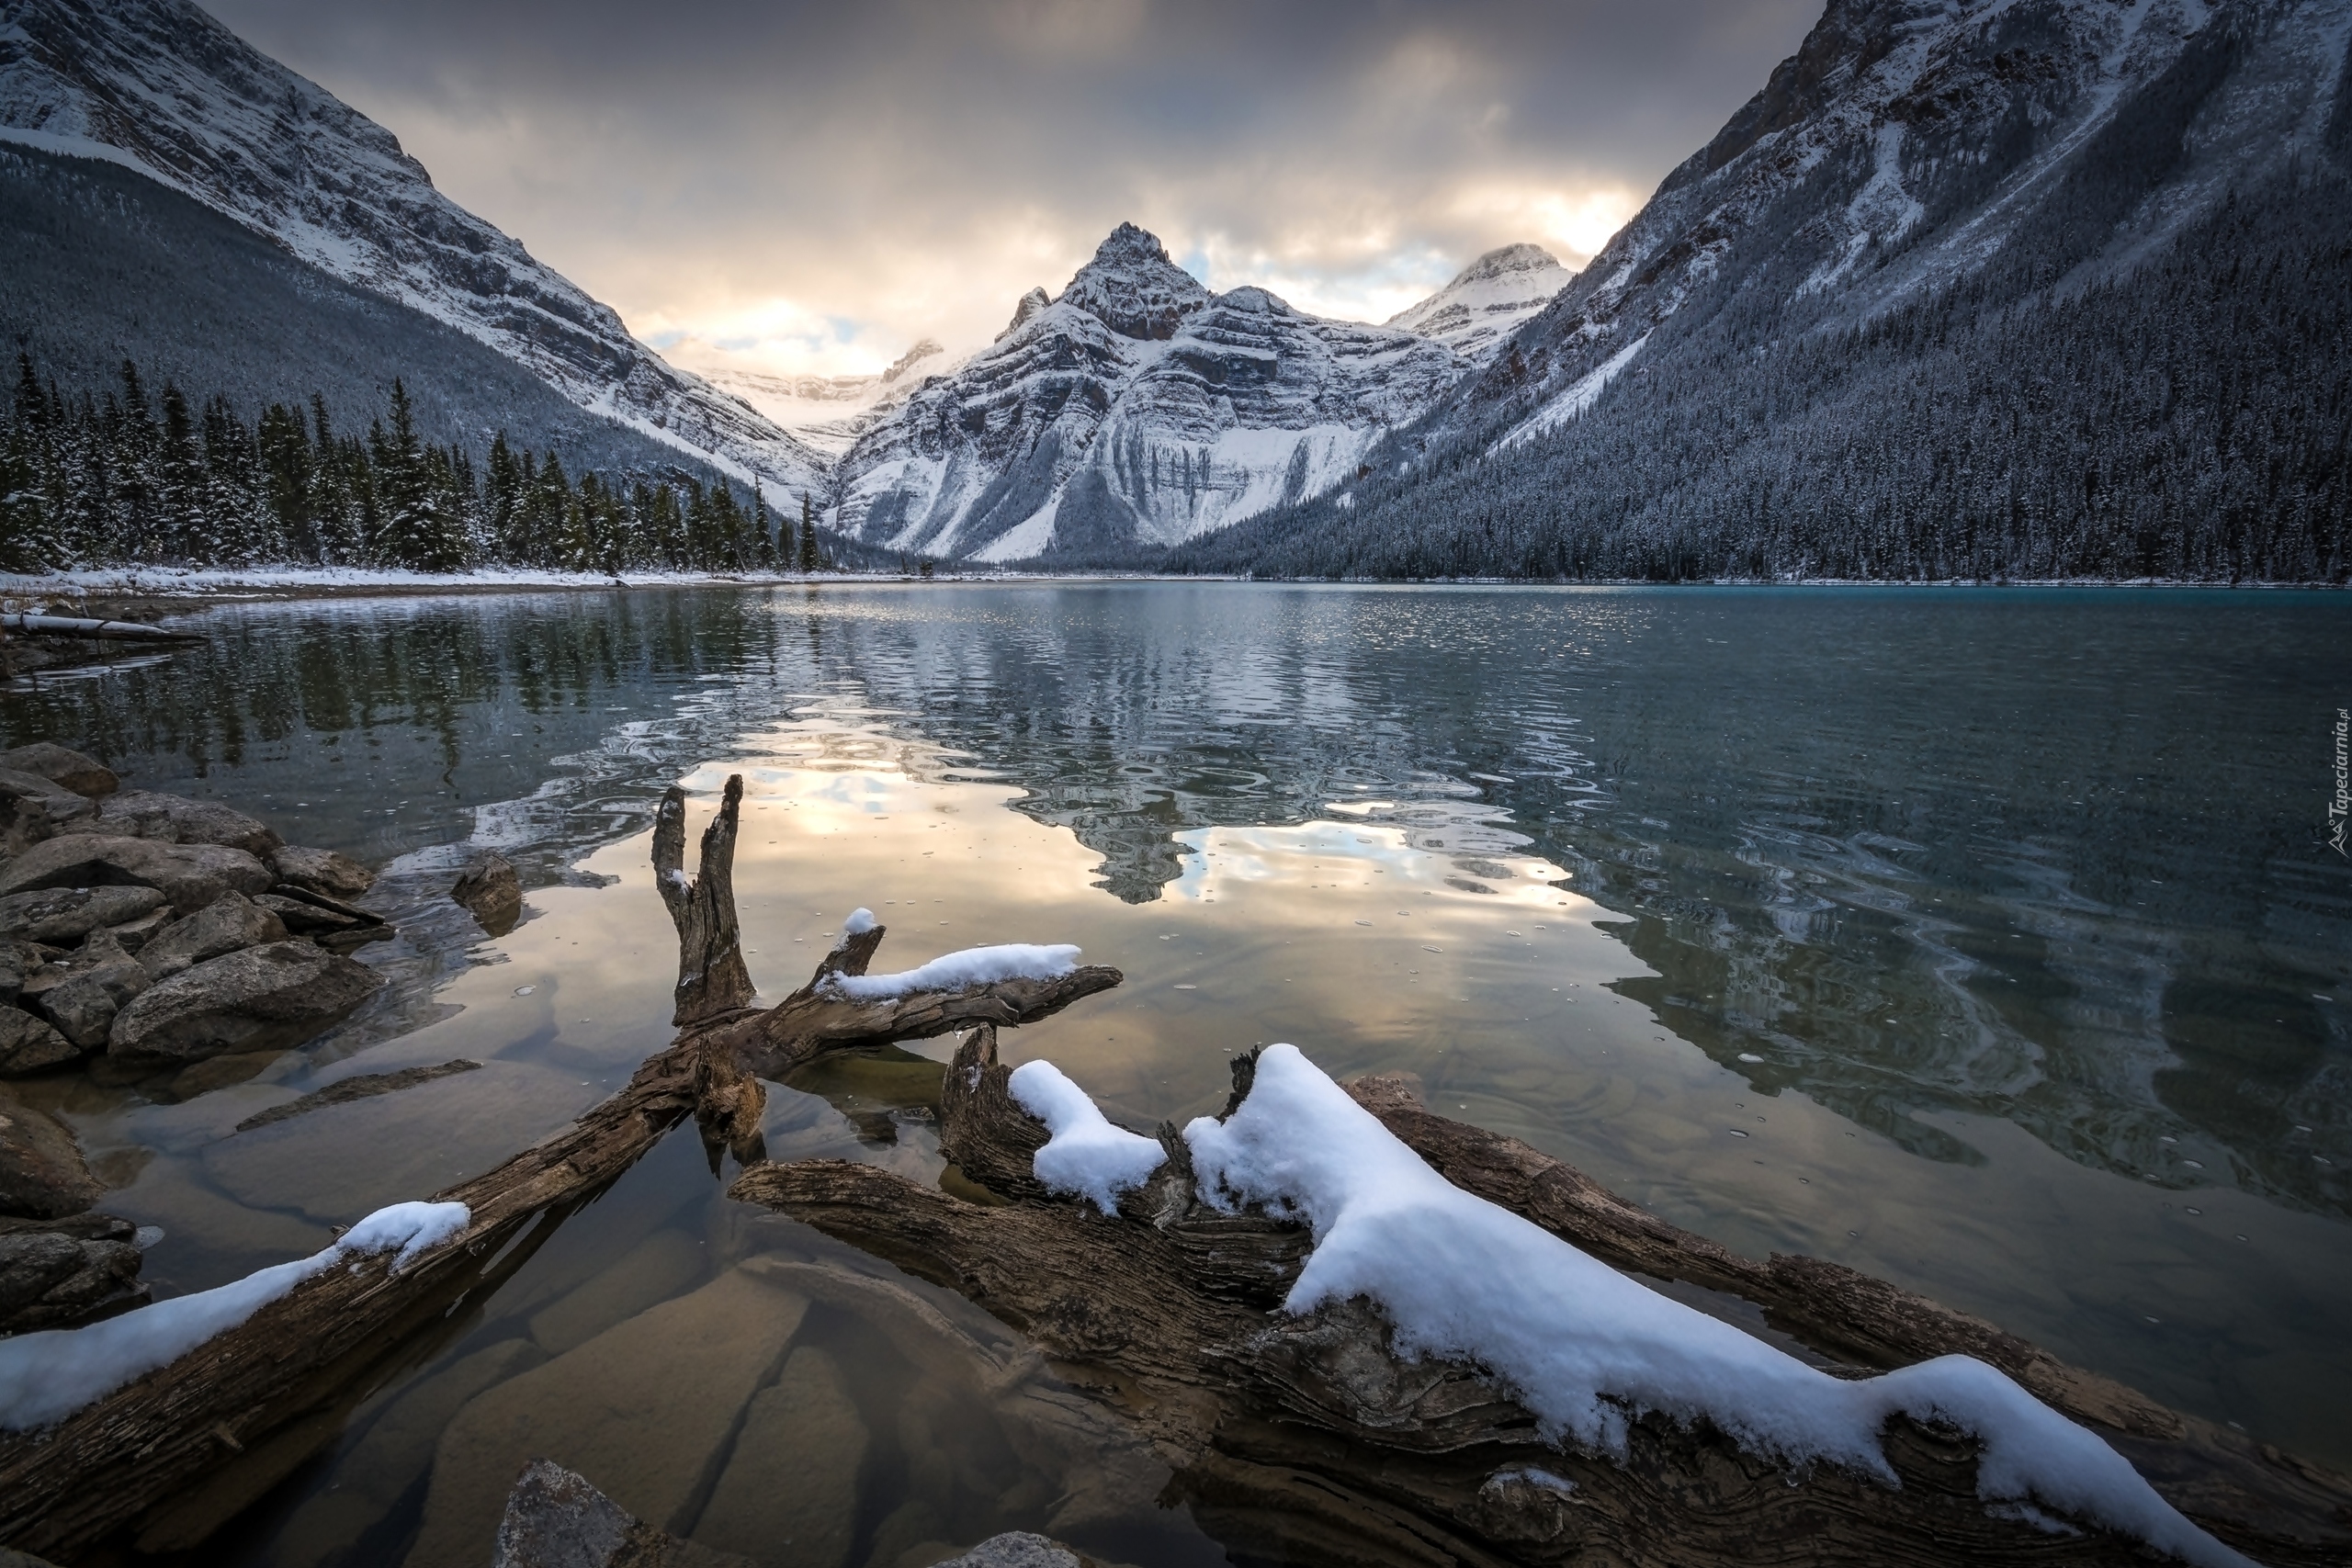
(1970, 288)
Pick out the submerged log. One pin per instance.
(171, 1455)
(90, 627)
(1310, 1438)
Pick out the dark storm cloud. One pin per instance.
(820, 183)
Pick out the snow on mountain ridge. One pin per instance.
(1488, 300)
(829, 413)
(161, 85)
(1137, 408)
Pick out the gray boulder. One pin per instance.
(28, 1045)
(276, 995)
(175, 819)
(83, 775)
(33, 808)
(63, 916)
(54, 1274)
(229, 924)
(323, 870)
(136, 934)
(556, 1520)
(101, 981)
(42, 1173)
(19, 960)
(490, 889)
(190, 876)
(1017, 1549)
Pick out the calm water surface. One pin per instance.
(1988, 942)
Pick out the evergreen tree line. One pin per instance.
(135, 478)
(2189, 418)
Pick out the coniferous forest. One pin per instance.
(147, 476)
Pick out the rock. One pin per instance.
(32, 808)
(134, 934)
(28, 1045)
(190, 876)
(42, 1173)
(19, 960)
(63, 916)
(276, 995)
(490, 889)
(230, 923)
(645, 1406)
(175, 819)
(103, 981)
(332, 923)
(302, 918)
(322, 871)
(556, 1520)
(790, 1486)
(83, 775)
(1017, 1549)
(361, 1086)
(334, 1161)
(52, 1278)
(369, 1476)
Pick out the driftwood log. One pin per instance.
(92, 628)
(1308, 1439)
(171, 1456)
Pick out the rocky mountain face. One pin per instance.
(1488, 302)
(1135, 409)
(1971, 287)
(161, 86)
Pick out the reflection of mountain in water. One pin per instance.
(1908, 853)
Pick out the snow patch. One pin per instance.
(861, 920)
(47, 1376)
(958, 971)
(1575, 399)
(1588, 1349)
(1087, 1154)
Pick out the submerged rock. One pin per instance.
(322, 871)
(276, 995)
(188, 876)
(556, 1520)
(83, 775)
(490, 889)
(57, 1273)
(28, 1044)
(42, 1173)
(791, 1482)
(645, 1407)
(61, 917)
(32, 808)
(175, 819)
(363, 1085)
(229, 924)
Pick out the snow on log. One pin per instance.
(1422, 1404)
(1087, 1154)
(47, 1376)
(1589, 1350)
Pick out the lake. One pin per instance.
(1987, 940)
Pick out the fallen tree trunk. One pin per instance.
(175, 1453)
(86, 626)
(1308, 1437)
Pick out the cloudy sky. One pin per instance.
(811, 188)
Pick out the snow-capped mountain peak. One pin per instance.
(1132, 289)
(1487, 299)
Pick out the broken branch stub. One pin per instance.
(711, 976)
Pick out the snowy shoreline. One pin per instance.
(209, 583)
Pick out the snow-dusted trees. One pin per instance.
(143, 478)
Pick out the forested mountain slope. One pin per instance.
(160, 86)
(2012, 288)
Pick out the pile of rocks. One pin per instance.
(155, 931)
(139, 932)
